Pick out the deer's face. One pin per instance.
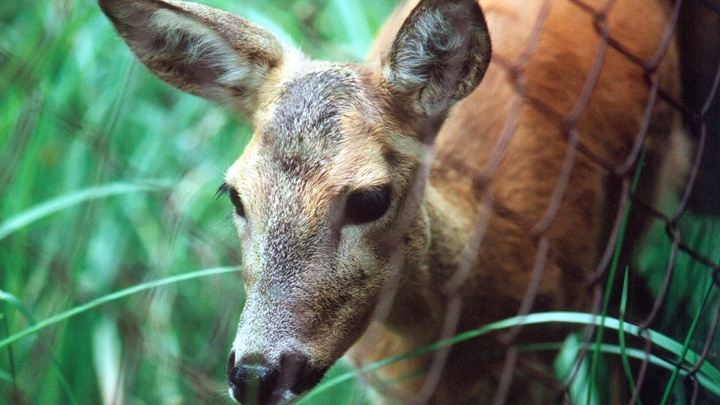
(328, 193)
(324, 196)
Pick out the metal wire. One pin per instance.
(623, 171)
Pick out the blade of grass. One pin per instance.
(60, 203)
(571, 367)
(621, 334)
(10, 376)
(709, 378)
(613, 270)
(111, 297)
(685, 349)
(639, 354)
(15, 302)
(107, 349)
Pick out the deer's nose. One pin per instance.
(253, 382)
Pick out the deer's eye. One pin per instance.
(367, 205)
(234, 198)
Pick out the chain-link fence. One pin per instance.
(665, 282)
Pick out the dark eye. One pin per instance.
(234, 198)
(367, 205)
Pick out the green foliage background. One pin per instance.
(77, 112)
(107, 181)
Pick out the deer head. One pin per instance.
(328, 195)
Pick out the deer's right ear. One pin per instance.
(439, 56)
(198, 49)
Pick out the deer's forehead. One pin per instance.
(306, 120)
(319, 136)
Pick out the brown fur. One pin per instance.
(520, 177)
(467, 231)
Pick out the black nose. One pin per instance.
(254, 382)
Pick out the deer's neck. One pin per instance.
(437, 249)
(435, 265)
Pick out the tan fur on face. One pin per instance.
(308, 197)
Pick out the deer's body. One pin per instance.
(354, 235)
(516, 148)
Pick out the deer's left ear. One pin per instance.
(440, 54)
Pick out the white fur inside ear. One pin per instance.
(432, 33)
(197, 43)
(439, 56)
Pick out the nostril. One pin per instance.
(252, 383)
(231, 361)
(297, 374)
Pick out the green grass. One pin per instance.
(117, 264)
(692, 300)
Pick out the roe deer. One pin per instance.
(376, 218)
